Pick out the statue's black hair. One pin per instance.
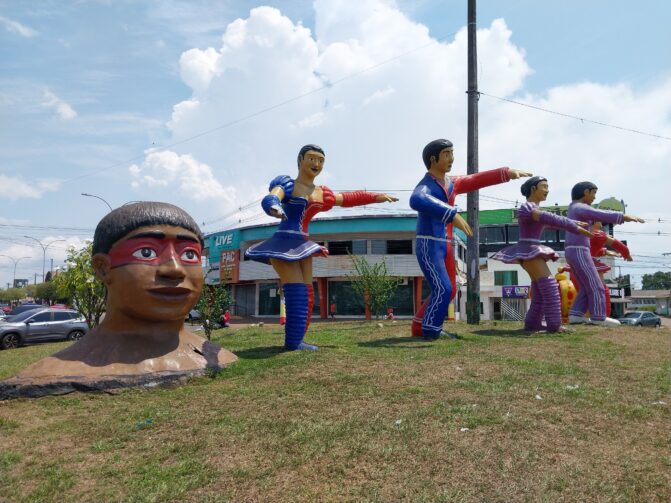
(530, 184)
(433, 149)
(120, 221)
(578, 190)
(307, 148)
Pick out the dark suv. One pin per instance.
(42, 324)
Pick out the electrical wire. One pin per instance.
(581, 119)
(327, 85)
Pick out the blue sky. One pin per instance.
(105, 97)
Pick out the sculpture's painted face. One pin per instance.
(154, 273)
(444, 162)
(311, 164)
(590, 196)
(541, 191)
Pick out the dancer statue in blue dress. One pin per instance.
(289, 250)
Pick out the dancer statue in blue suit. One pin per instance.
(433, 198)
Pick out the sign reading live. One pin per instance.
(515, 292)
(229, 266)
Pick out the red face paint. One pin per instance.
(155, 251)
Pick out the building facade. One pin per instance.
(390, 238)
(504, 288)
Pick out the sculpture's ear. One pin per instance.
(101, 265)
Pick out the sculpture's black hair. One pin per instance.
(434, 149)
(530, 184)
(119, 222)
(307, 148)
(578, 190)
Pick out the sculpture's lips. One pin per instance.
(170, 293)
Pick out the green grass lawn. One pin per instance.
(498, 416)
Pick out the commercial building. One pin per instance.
(504, 288)
(387, 237)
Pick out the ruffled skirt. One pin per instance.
(522, 251)
(285, 247)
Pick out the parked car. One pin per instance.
(42, 324)
(25, 307)
(194, 315)
(641, 318)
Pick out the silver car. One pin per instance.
(42, 324)
(641, 319)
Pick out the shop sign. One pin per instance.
(515, 292)
(229, 266)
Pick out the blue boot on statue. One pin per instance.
(296, 302)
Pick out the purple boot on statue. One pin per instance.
(534, 319)
(551, 303)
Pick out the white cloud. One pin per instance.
(267, 62)
(62, 109)
(16, 27)
(14, 187)
(166, 168)
(379, 95)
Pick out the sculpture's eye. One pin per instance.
(145, 254)
(190, 256)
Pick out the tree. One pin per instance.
(373, 284)
(47, 291)
(12, 294)
(79, 285)
(657, 281)
(214, 300)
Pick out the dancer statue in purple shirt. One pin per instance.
(591, 295)
(533, 256)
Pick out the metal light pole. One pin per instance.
(98, 197)
(44, 250)
(16, 261)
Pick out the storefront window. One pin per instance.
(399, 247)
(359, 247)
(340, 247)
(401, 300)
(269, 299)
(378, 246)
(502, 278)
(347, 301)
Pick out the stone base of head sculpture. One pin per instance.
(148, 255)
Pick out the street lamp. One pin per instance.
(16, 261)
(98, 197)
(44, 250)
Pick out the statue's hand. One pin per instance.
(462, 224)
(386, 198)
(514, 174)
(584, 232)
(278, 212)
(631, 218)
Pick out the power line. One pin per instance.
(327, 85)
(581, 119)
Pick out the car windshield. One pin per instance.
(632, 315)
(24, 315)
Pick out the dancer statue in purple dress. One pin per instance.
(533, 256)
(591, 295)
(289, 250)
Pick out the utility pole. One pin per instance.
(472, 199)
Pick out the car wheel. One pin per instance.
(75, 335)
(639, 324)
(10, 341)
(659, 324)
